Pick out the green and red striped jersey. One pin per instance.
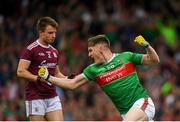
(118, 79)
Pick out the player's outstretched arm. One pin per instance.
(151, 56)
(66, 83)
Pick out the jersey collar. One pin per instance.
(42, 45)
(111, 58)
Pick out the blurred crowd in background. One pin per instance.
(121, 20)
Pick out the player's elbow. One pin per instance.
(156, 60)
(152, 60)
(19, 72)
(72, 88)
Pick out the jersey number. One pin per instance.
(49, 55)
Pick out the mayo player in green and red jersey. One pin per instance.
(115, 73)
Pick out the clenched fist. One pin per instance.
(43, 73)
(141, 41)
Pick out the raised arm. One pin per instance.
(74, 83)
(151, 56)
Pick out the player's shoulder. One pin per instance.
(53, 48)
(32, 45)
(126, 53)
(91, 66)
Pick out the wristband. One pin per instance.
(146, 46)
(49, 80)
(47, 77)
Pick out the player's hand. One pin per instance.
(141, 41)
(43, 73)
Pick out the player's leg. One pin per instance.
(35, 110)
(36, 118)
(142, 110)
(55, 115)
(136, 114)
(54, 109)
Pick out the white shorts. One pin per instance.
(42, 106)
(147, 105)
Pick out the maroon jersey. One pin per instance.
(39, 55)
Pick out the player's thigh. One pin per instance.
(37, 118)
(135, 114)
(142, 109)
(35, 110)
(55, 115)
(54, 109)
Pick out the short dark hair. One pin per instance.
(98, 40)
(43, 22)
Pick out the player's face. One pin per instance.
(49, 34)
(96, 54)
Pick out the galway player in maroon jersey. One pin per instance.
(42, 101)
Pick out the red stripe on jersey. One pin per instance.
(144, 106)
(115, 74)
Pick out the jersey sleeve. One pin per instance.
(136, 58)
(26, 54)
(88, 74)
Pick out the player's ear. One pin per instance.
(100, 47)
